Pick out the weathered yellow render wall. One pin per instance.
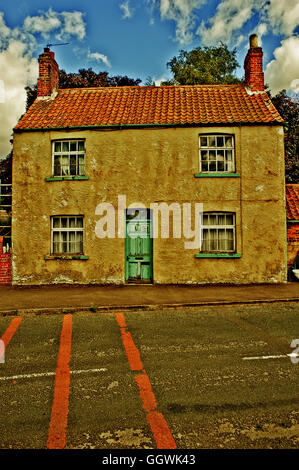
(150, 165)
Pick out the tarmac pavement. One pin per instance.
(46, 299)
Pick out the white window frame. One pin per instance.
(67, 230)
(229, 166)
(68, 153)
(218, 227)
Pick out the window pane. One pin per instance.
(230, 241)
(65, 165)
(65, 146)
(205, 220)
(229, 219)
(205, 240)
(204, 166)
(72, 222)
(214, 239)
(228, 141)
(221, 219)
(73, 146)
(222, 240)
(56, 245)
(79, 222)
(64, 222)
(212, 155)
(204, 155)
(213, 219)
(230, 166)
(220, 166)
(81, 169)
(229, 154)
(64, 242)
(73, 164)
(81, 146)
(230, 245)
(212, 141)
(56, 222)
(57, 147)
(203, 141)
(79, 242)
(220, 155)
(220, 141)
(57, 165)
(212, 166)
(72, 242)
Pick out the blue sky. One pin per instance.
(137, 38)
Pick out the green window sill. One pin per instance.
(217, 255)
(66, 178)
(217, 175)
(65, 257)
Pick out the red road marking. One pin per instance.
(146, 394)
(157, 422)
(130, 348)
(160, 431)
(60, 408)
(11, 330)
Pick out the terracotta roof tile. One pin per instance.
(292, 201)
(199, 104)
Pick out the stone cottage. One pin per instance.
(113, 185)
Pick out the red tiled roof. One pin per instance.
(292, 201)
(148, 105)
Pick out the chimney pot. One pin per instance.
(253, 41)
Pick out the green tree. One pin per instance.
(288, 108)
(149, 81)
(85, 78)
(204, 66)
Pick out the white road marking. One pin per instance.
(281, 356)
(49, 374)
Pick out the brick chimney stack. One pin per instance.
(253, 65)
(48, 74)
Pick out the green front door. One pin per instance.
(139, 247)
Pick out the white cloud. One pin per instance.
(283, 71)
(182, 12)
(73, 25)
(283, 15)
(65, 24)
(98, 57)
(43, 24)
(127, 11)
(229, 18)
(4, 30)
(19, 68)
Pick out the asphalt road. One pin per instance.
(204, 380)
